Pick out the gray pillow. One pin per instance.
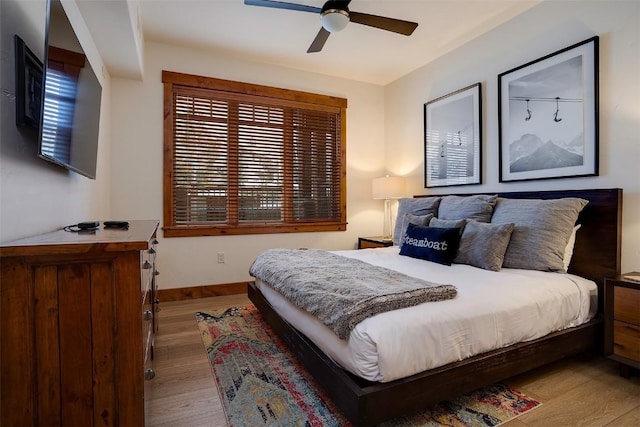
(478, 207)
(417, 206)
(543, 229)
(448, 223)
(422, 220)
(483, 245)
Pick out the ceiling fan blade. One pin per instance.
(390, 24)
(319, 41)
(283, 5)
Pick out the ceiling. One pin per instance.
(278, 36)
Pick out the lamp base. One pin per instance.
(387, 233)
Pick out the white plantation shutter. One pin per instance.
(239, 160)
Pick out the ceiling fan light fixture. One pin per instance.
(334, 20)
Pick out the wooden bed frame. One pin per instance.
(596, 256)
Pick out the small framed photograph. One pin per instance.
(453, 139)
(548, 116)
(28, 85)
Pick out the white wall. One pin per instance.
(137, 162)
(36, 196)
(546, 28)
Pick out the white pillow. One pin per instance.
(568, 250)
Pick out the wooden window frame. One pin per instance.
(173, 80)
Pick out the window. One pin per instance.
(250, 159)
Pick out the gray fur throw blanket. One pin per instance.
(340, 291)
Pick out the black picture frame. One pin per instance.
(548, 116)
(29, 80)
(453, 138)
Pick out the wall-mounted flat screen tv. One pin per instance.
(70, 119)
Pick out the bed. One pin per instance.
(367, 402)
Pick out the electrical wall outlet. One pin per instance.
(220, 257)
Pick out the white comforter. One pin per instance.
(492, 310)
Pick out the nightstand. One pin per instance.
(622, 323)
(374, 242)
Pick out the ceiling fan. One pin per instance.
(335, 15)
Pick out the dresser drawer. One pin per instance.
(626, 302)
(626, 340)
(147, 330)
(147, 343)
(147, 264)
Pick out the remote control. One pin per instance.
(88, 225)
(116, 224)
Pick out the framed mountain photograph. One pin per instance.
(548, 116)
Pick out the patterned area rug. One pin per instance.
(262, 384)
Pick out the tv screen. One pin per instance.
(70, 118)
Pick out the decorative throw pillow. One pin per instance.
(478, 207)
(483, 245)
(542, 231)
(430, 243)
(417, 206)
(448, 223)
(415, 220)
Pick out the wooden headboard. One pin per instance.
(596, 254)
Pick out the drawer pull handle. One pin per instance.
(147, 315)
(151, 251)
(154, 242)
(156, 273)
(146, 265)
(149, 374)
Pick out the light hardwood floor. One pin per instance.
(581, 391)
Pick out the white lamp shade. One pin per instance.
(334, 20)
(389, 187)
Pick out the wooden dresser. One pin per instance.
(77, 328)
(622, 323)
